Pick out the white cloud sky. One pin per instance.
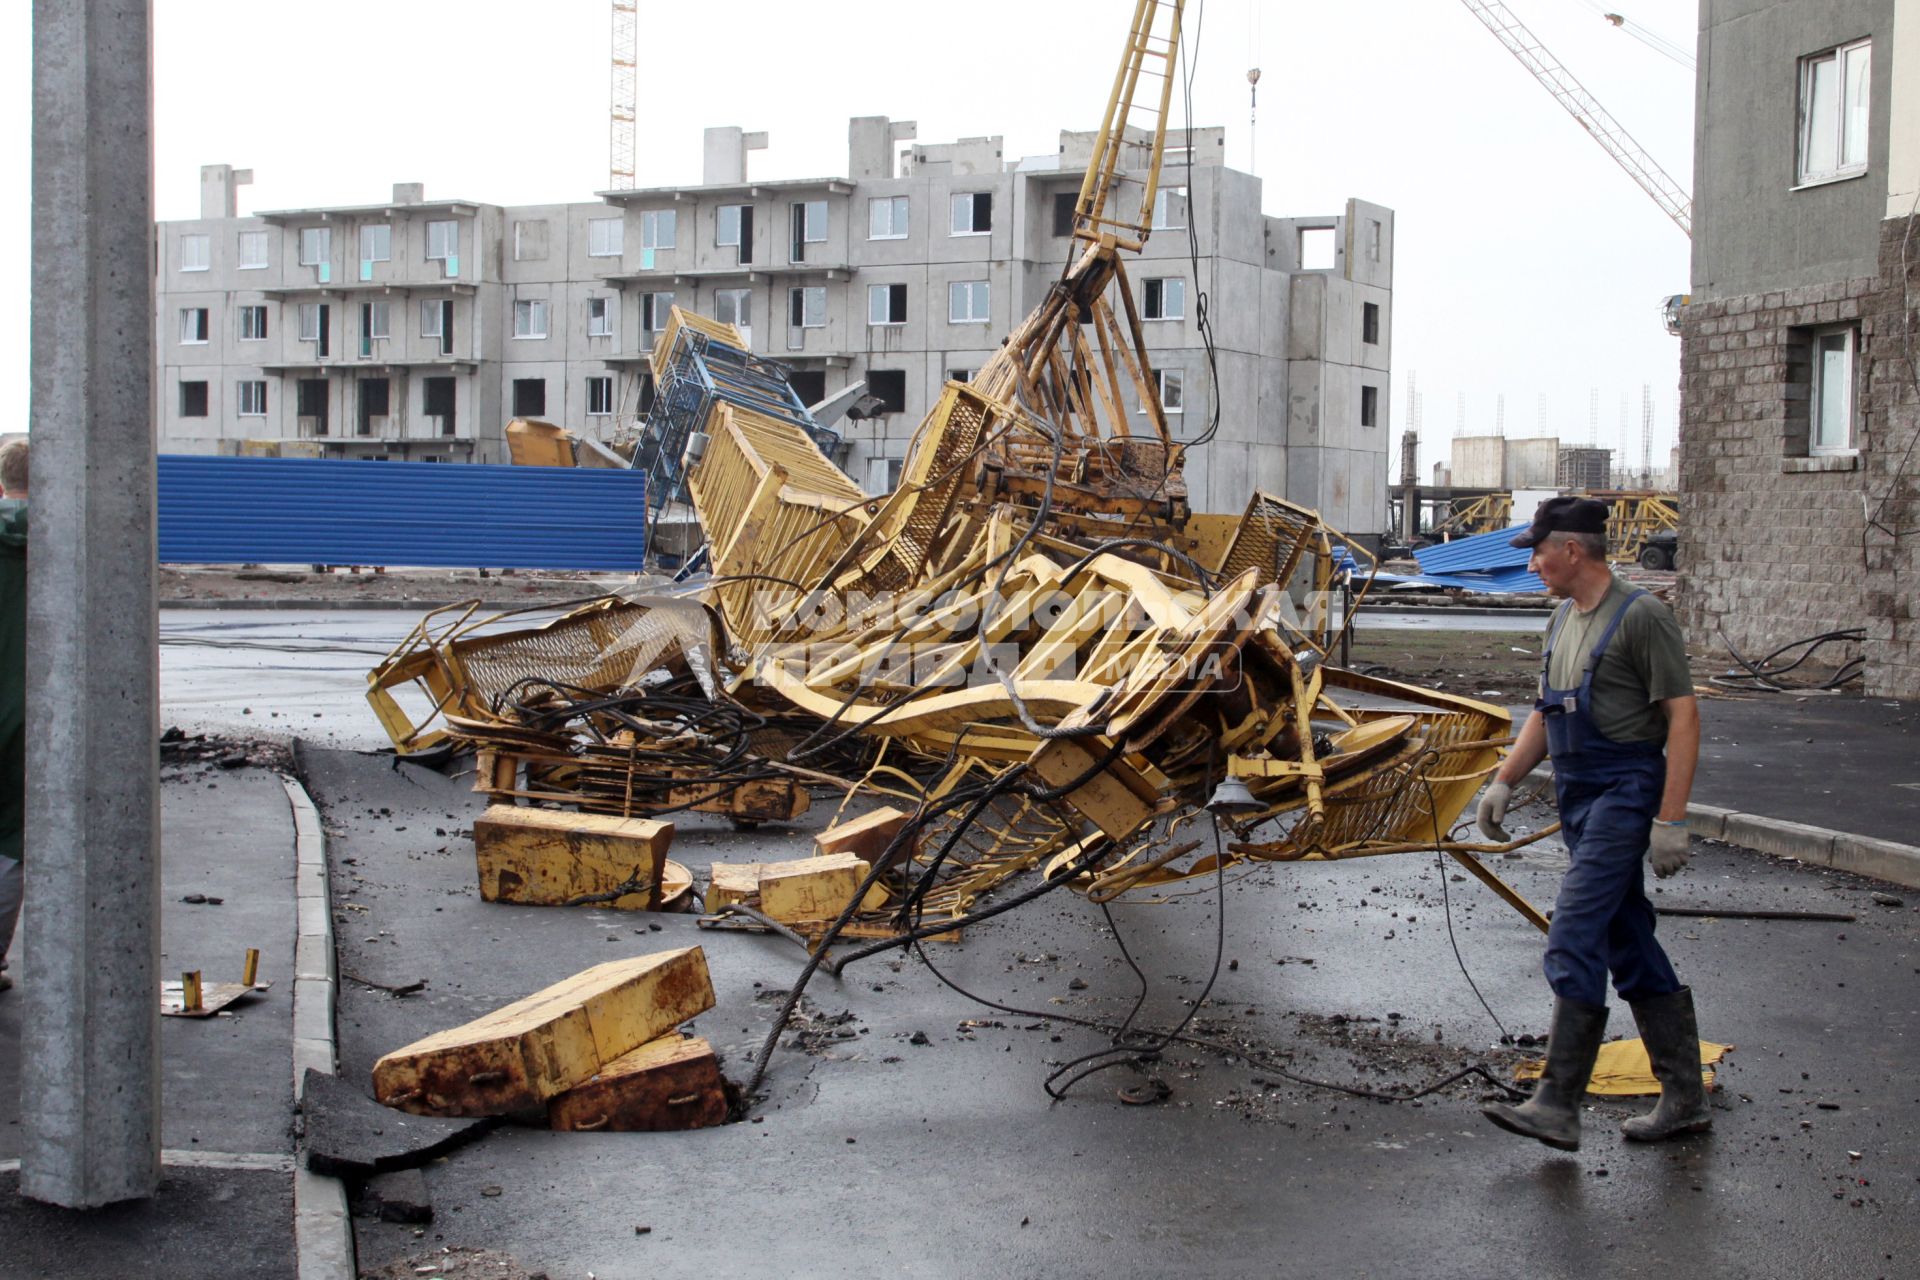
(1528, 264)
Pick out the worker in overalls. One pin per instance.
(1617, 716)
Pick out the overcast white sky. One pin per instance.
(1528, 264)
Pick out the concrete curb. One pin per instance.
(1819, 846)
(322, 1231)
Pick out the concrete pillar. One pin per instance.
(724, 151)
(90, 1063)
(220, 189)
(1409, 486)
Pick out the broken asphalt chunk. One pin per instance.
(398, 1196)
(349, 1135)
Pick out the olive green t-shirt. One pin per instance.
(1645, 663)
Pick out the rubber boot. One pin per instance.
(1672, 1037)
(1552, 1114)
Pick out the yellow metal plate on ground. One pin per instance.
(1623, 1071)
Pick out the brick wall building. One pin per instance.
(1799, 409)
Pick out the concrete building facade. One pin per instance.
(417, 328)
(1798, 399)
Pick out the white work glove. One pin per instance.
(1493, 811)
(1668, 851)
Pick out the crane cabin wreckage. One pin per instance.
(1030, 651)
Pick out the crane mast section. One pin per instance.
(623, 98)
(1152, 53)
(1586, 110)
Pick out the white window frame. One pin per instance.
(1171, 386)
(379, 321)
(727, 236)
(194, 321)
(310, 321)
(740, 301)
(432, 318)
(1816, 418)
(890, 212)
(1172, 300)
(265, 243)
(320, 256)
(1850, 89)
(656, 309)
(657, 228)
(883, 474)
(880, 303)
(248, 313)
(606, 237)
(443, 239)
(196, 253)
(809, 232)
(809, 295)
(967, 200)
(529, 318)
(376, 242)
(602, 327)
(250, 397)
(600, 387)
(969, 302)
(1170, 210)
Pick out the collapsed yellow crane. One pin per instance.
(1031, 643)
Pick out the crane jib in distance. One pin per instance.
(1586, 110)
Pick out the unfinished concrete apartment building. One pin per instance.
(417, 328)
(1799, 405)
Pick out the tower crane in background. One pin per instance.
(623, 99)
(1586, 110)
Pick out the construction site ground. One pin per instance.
(906, 1128)
(277, 586)
(954, 1142)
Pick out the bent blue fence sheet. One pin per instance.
(1480, 552)
(1491, 582)
(320, 511)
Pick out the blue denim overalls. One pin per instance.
(1609, 793)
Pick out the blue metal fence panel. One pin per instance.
(319, 511)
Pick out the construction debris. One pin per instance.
(871, 837)
(551, 858)
(518, 1057)
(189, 997)
(667, 1084)
(346, 1134)
(1031, 651)
(1622, 1069)
(400, 1196)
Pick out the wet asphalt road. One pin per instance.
(304, 671)
(875, 1156)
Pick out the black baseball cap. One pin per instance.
(1562, 515)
